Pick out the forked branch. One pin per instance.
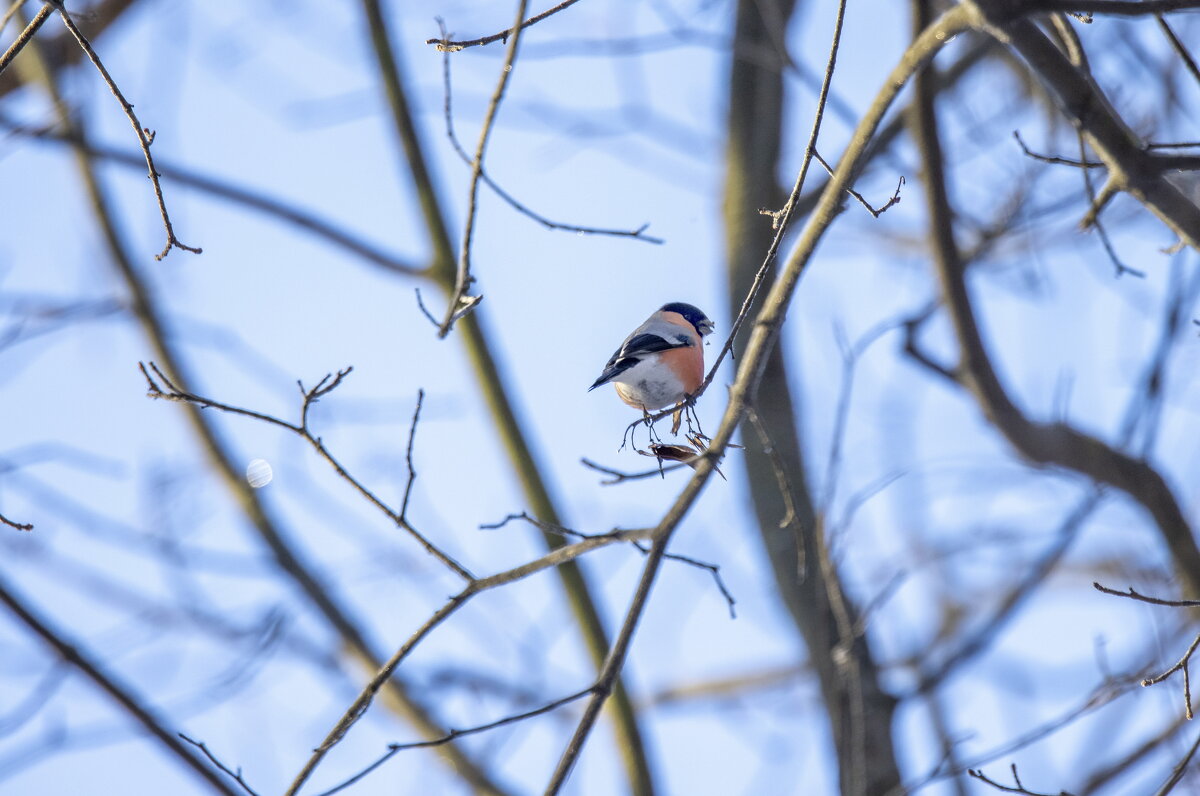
(160, 386)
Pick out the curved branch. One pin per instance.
(446, 45)
(762, 342)
(1058, 443)
(1131, 166)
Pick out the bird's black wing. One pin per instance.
(632, 352)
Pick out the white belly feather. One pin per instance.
(650, 386)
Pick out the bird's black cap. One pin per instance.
(691, 314)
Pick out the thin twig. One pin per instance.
(1178, 771)
(327, 384)
(236, 775)
(619, 476)
(1133, 595)
(19, 526)
(1105, 693)
(1089, 164)
(445, 45)
(447, 112)
(1105, 241)
(1181, 664)
(1175, 145)
(301, 219)
(787, 492)
(893, 200)
(558, 530)
(359, 707)
(453, 734)
(1124, 8)
(425, 310)
(461, 302)
(13, 8)
(1111, 770)
(1018, 788)
(412, 473)
(144, 135)
(1179, 48)
(713, 570)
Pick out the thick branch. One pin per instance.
(555, 558)
(1131, 167)
(290, 560)
(509, 425)
(776, 470)
(25, 36)
(763, 339)
(75, 654)
(1056, 443)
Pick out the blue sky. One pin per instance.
(283, 98)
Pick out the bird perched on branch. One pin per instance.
(662, 362)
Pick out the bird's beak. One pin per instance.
(706, 327)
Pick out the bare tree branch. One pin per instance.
(504, 413)
(144, 135)
(762, 342)
(712, 569)
(1133, 595)
(1053, 443)
(445, 45)
(1180, 665)
(26, 35)
(74, 653)
(395, 748)
(299, 218)
(636, 234)
(11, 524)
(461, 302)
(301, 429)
(236, 775)
(1017, 786)
(1178, 772)
(1130, 167)
(1124, 8)
(291, 562)
(359, 707)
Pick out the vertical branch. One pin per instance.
(765, 335)
(460, 302)
(290, 560)
(508, 424)
(1056, 443)
(792, 534)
